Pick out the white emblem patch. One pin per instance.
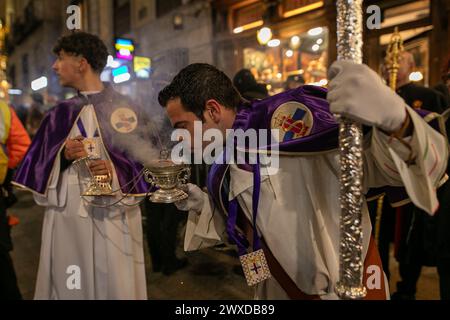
(294, 120)
(255, 267)
(124, 120)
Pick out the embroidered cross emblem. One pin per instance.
(256, 268)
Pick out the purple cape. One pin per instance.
(322, 136)
(35, 170)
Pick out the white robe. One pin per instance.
(88, 253)
(299, 208)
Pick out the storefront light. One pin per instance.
(315, 47)
(295, 42)
(122, 78)
(178, 21)
(416, 76)
(315, 32)
(125, 52)
(15, 92)
(289, 53)
(303, 9)
(279, 75)
(274, 43)
(124, 49)
(264, 35)
(112, 63)
(238, 30)
(321, 83)
(119, 71)
(248, 26)
(39, 84)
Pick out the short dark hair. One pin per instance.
(198, 83)
(244, 81)
(87, 45)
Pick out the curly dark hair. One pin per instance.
(87, 45)
(198, 83)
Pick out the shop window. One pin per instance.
(419, 49)
(247, 17)
(302, 55)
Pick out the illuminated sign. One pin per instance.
(142, 67)
(121, 74)
(39, 84)
(119, 71)
(124, 49)
(15, 92)
(122, 78)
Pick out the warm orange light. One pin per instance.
(264, 35)
(307, 8)
(249, 26)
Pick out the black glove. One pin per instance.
(8, 191)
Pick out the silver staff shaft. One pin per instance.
(349, 42)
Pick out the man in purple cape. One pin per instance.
(91, 247)
(285, 223)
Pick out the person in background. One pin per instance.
(22, 113)
(35, 114)
(417, 231)
(162, 226)
(14, 142)
(294, 81)
(444, 86)
(417, 96)
(100, 237)
(299, 236)
(246, 84)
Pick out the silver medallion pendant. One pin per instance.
(255, 267)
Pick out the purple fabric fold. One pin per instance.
(322, 137)
(324, 132)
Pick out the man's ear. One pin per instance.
(213, 110)
(84, 65)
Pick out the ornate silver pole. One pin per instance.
(349, 42)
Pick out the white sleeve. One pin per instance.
(56, 195)
(385, 163)
(206, 229)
